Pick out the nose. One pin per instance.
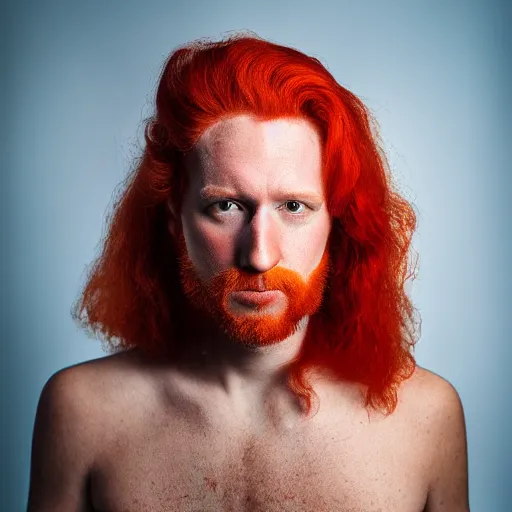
(259, 248)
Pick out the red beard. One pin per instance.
(256, 325)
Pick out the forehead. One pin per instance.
(257, 156)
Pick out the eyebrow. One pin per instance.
(212, 191)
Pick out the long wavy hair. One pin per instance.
(365, 330)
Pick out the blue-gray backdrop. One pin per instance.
(77, 80)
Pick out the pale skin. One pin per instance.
(121, 433)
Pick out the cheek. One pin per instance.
(210, 250)
(303, 251)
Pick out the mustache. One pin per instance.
(234, 279)
(277, 278)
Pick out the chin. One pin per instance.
(260, 328)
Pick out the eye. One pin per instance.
(294, 206)
(223, 206)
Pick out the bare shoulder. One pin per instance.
(102, 381)
(69, 400)
(69, 431)
(93, 375)
(437, 411)
(428, 394)
(433, 404)
(98, 391)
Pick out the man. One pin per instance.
(256, 259)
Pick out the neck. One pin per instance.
(232, 364)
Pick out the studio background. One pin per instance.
(78, 78)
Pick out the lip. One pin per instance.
(252, 297)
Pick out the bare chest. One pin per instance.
(353, 468)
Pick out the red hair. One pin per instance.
(364, 331)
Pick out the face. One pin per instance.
(254, 227)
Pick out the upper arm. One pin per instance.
(62, 447)
(448, 490)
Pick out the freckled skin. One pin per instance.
(254, 213)
(218, 429)
(182, 447)
(244, 445)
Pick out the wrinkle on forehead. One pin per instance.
(232, 150)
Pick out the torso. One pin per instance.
(161, 452)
